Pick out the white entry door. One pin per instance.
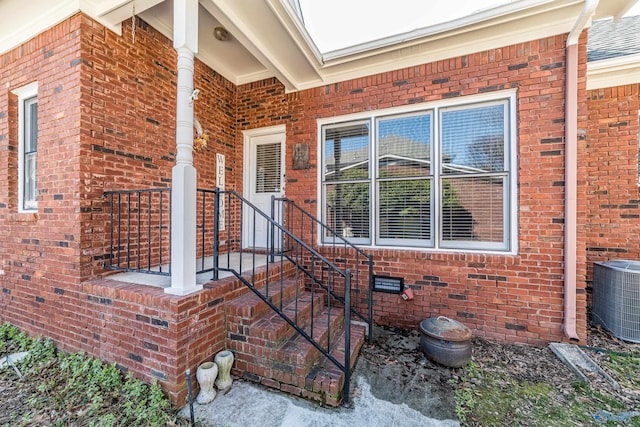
(264, 178)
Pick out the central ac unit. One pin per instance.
(616, 298)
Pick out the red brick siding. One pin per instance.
(514, 298)
(129, 126)
(106, 122)
(40, 251)
(610, 156)
(107, 114)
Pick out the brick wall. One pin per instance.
(40, 251)
(503, 297)
(610, 156)
(129, 126)
(154, 335)
(106, 122)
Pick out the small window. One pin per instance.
(27, 147)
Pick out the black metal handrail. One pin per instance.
(332, 277)
(140, 230)
(331, 245)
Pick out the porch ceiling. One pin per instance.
(268, 39)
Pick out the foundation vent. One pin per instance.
(616, 298)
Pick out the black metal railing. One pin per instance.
(139, 233)
(139, 230)
(331, 245)
(322, 277)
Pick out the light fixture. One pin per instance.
(220, 33)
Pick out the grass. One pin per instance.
(62, 388)
(491, 398)
(625, 368)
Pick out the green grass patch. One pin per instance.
(62, 389)
(493, 398)
(625, 368)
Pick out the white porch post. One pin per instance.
(183, 174)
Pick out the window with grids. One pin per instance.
(27, 147)
(440, 178)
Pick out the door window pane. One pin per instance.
(268, 174)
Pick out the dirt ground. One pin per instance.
(12, 399)
(398, 371)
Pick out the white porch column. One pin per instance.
(183, 174)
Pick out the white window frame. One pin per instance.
(364, 241)
(511, 206)
(24, 93)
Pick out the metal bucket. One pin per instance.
(445, 341)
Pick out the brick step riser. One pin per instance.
(246, 347)
(325, 386)
(250, 306)
(281, 331)
(284, 331)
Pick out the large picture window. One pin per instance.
(27, 147)
(441, 178)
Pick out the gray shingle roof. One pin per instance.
(609, 39)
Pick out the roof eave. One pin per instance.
(619, 71)
(512, 23)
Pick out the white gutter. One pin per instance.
(571, 169)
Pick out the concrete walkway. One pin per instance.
(248, 405)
